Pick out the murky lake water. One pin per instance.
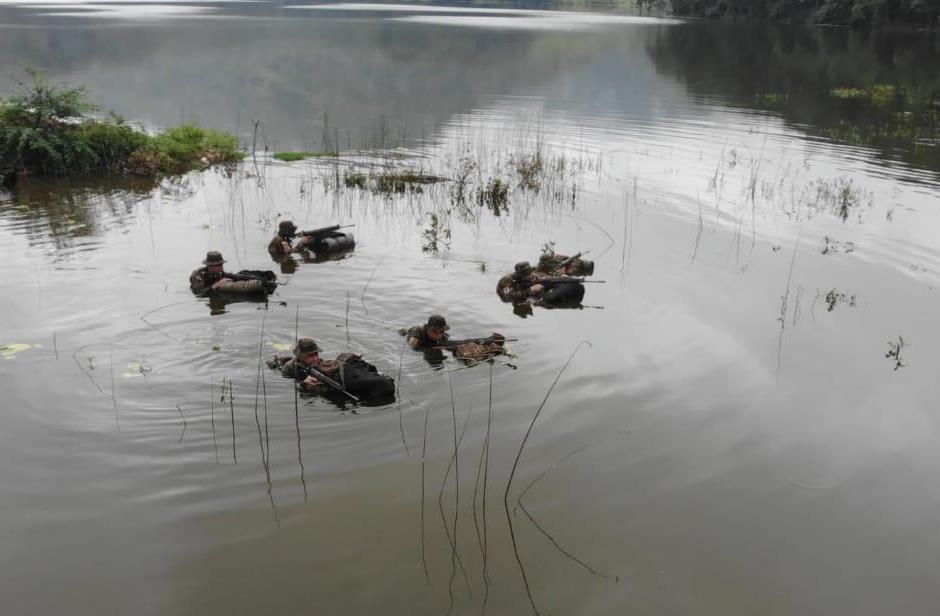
(732, 439)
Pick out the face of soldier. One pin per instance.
(435, 334)
(215, 268)
(310, 359)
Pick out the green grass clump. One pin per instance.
(290, 157)
(355, 180)
(848, 93)
(45, 131)
(399, 182)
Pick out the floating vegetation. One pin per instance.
(290, 157)
(399, 182)
(46, 130)
(831, 246)
(771, 99)
(835, 297)
(280, 346)
(12, 349)
(136, 369)
(894, 352)
(436, 235)
(390, 182)
(848, 93)
(841, 196)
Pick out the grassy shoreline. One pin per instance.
(49, 130)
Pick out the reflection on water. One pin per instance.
(738, 436)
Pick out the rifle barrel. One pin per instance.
(328, 381)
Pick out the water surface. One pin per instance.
(730, 437)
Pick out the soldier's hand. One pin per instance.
(311, 382)
(536, 289)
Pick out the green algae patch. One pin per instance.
(12, 349)
(291, 157)
(848, 93)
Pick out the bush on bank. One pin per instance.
(46, 130)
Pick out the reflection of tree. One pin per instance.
(64, 214)
(877, 88)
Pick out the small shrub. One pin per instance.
(529, 169)
(494, 196)
(436, 235)
(355, 180)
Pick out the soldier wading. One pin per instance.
(212, 278)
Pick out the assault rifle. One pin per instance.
(306, 371)
(565, 263)
(553, 280)
(324, 230)
(452, 344)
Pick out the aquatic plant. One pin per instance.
(836, 297)
(400, 181)
(529, 170)
(894, 352)
(437, 234)
(354, 180)
(494, 196)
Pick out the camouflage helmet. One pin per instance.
(523, 268)
(306, 345)
(436, 321)
(286, 227)
(213, 257)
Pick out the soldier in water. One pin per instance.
(282, 244)
(212, 278)
(519, 286)
(306, 355)
(428, 336)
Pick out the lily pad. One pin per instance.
(9, 351)
(280, 346)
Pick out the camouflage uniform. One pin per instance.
(282, 244)
(423, 340)
(202, 280)
(291, 366)
(517, 287)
